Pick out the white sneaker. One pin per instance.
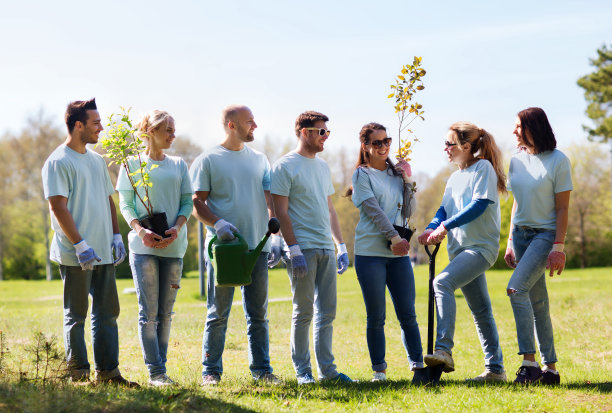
(268, 378)
(305, 379)
(379, 376)
(161, 380)
(489, 377)
(441, 357)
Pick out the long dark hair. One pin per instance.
(482, 145)
(535, 123)
(364, 157)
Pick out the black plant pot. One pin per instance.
(403, 232)
(157, 223)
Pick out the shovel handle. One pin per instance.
(432, 254)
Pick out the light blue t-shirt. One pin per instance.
(534, 180)
(307, 183)
(84, 180)
(388, 191)
(171, 184)
(236, 181)
(478, 181)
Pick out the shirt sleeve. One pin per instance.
(200, 175)
(127, 206)
(56, 179)
(362, 187)
(472, 211)
(485, 182)
(280, 180)
(563, 176)
(440, 216)
(266, 177)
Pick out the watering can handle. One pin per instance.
(210, 245)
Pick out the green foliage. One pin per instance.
(598, 94)
(46, 357)
(122, 142)
(407, 84)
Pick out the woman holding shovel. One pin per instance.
(470, 215)
(540, 180)
(156, 259)
(381, 254)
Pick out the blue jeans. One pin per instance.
(78, 285)
(530, 299)
(255, 305)
(466, 271)
(157, 280)
(314, 294)
(374, 275)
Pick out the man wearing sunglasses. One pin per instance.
(301, 188)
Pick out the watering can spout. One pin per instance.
(250, 258)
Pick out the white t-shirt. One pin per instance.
(307, 183)
(82, 178)
(236, 181)
(534, 180)
(478, 181)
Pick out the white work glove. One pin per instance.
(276, 250)
(225, 230)
(86, 255)
(118, 249)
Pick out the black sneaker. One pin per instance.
(120, 381)
(549, 378)
(528, 375)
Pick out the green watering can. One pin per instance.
(232, 260)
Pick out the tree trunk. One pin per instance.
(1, 269)
(583, 257)
(45, 213)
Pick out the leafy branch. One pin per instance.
(122, 142)
(407, 84)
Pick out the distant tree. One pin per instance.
(598, 93)
(590, 206)
(29, 150)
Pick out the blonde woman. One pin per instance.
(470, 215)
(156, 260)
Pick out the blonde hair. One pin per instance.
(151, 121)
(483, 146)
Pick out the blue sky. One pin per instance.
(486, 60)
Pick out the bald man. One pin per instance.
(232, 194)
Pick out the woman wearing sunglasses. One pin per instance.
(381, 255)
(470, 215)
(540, 180)
(157, 262)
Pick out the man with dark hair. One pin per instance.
(301, 190)
(232, 194)
(78, 187)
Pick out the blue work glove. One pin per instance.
(225, 230)
(342, 258)
(276, 251)
(86, 255)
(298, 262)
(118, 249)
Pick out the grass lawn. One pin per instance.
(580, 305)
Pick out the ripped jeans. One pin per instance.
(530, 297)
(157, 280)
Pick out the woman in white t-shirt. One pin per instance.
(383, 196)
(540, 180)
(156, 260)
(470, 214)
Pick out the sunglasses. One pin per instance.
(322, 131)
(449, 144)
(379, 144)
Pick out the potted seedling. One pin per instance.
(407, 84)
(121, 142)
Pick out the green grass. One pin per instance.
(580, 307)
